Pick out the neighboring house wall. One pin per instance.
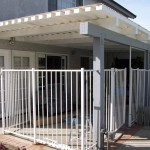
(10, 9)
(61, 4)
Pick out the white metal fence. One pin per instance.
(52, 107)
(55, 107)
(115, 95)
(139, 94)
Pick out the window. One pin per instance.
(17, 62)
(52, 5)
(21, 62)
(41, 62)
(25, 62)
(62, 4)
(1, 61)
(86, 62)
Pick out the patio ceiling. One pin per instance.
(62, 27)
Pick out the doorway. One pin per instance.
(56, 63)
(52, 62)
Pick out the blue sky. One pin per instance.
(141, 8)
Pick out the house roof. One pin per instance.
(62, 27)
(114, 5)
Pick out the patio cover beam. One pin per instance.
(41, 30)
(90, 29)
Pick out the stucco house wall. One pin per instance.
(35, 50)
(10, 9)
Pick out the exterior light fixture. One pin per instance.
(12, 41)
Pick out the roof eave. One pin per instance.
(119, 8)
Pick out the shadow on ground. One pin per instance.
(135, 138)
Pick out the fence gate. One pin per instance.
(55, 107)
(115, 97)
(139, 95)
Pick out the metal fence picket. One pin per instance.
(2, 101)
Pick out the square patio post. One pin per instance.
(146, 60)
(98, 92)
(147, 85)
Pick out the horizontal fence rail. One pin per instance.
(55, 107)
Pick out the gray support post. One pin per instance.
(130, 86)
(146, 66)
(130, 58)
(98, 93)
(146, 60)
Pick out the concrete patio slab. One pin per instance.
(135, 138)
(139, 141)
